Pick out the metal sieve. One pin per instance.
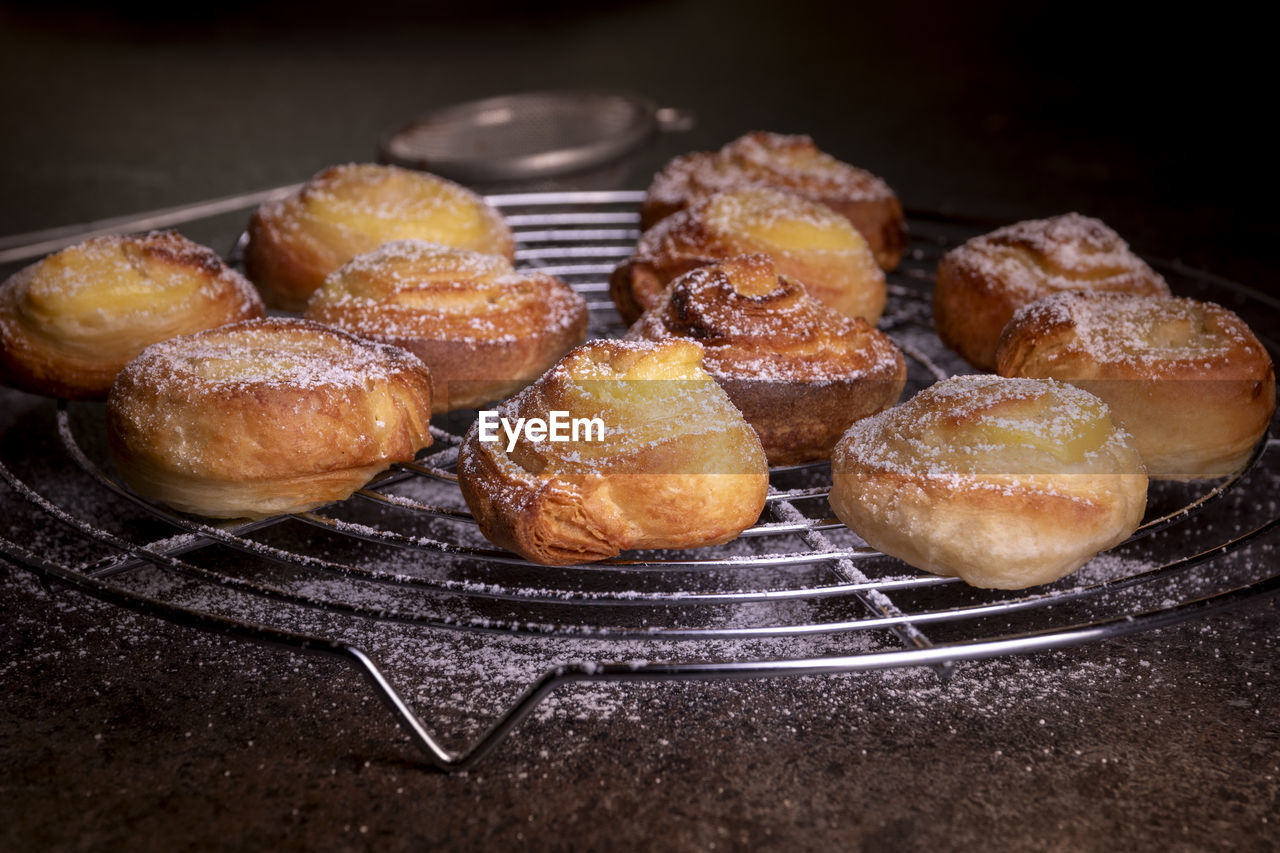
(531, 135)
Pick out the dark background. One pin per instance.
(123, 732)
(1155, 121)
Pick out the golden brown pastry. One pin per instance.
(70, 322)
(1187, 379)
(675, 467)
(791, 163)
(806, 240)
(981, 283)
(1006, 483)
(800, 372)
(348, 210)
(265, 417)
(482, 328)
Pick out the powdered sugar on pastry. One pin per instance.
(264, 417)
(677, 466)
(805, 240)
(799, 371)
(344, 211)
(70, 322)
(1188, 379)
(1006, 483)
(981, 283)
(1148, 332)
(790, 163)
(484, 329)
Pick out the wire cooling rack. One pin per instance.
(405, 550)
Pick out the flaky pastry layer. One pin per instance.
(1187, 379)
(983, 282)
(677, 467)
(344, 211)
(265, 417)
(791, 163)
(484, 329)
(70, 322)
(1005, 483)
(799, 371)
(805, 240)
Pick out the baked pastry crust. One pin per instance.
(677, 467)
(1005, 483)
(344, 211)
(806, 240)
(800, 372)
(983, 282)
(1187, 379)
(484, 329)
(791, 163)
(265, 417)
(71, 322)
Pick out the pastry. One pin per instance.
(981, 283)
(482, 328)
(791, 163)
(670, 462)
(1187, 379)
(345, 211)
(70, 322)
(265, 417)
(1006, 483)
(806, 240)
(800, 372)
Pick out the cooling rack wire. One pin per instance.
(799, 592)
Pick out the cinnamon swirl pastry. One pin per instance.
(672, 465)
(1187, 379)
(800, 372)
(1006, 483)
(806, 240)
(482, 328)
(70, 322)
(345, 211)
(981, 283)
(791, 163)
(265, 417)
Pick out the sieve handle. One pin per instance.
(675, 119)
(20, 247)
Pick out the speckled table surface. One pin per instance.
(123, 731)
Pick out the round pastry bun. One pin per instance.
(1187, 379)
(1005, 483)
(344, 211)
(482, 328)
(981, 283)
(265, 417)
(791, 163)
(806, 240)
(71, 322)
(800, 372)
(676, 467)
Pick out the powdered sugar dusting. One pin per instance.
(1069, 252)
(760, 213)
(805, 239)
(1153, 334)
(409, 290)
(754, 324)
(963, 429)
(351, 208)
(275, 352)
(147, 287)
(764, 159)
